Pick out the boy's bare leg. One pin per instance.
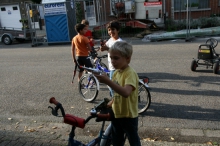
(80, 75)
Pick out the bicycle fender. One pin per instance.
(145, 84)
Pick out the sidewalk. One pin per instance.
(13, 139)
(56, 134)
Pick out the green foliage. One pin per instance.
(79, 12)
(215, 15)
(171, 25)
(192, 5)
(36, 1)
(97, 34)
(24, 23)
(181, 24)
(129, 30)
(209, 22)
(202, 22)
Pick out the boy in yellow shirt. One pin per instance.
(125, 100)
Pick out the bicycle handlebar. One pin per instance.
(53, 100)
(103, 56)
(58, 106)
(91, 69)
(76, 121)
(104, 116)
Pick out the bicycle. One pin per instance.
(104, 137)
(89, 86)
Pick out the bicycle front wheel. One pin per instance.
(88, 88)
(144, 98)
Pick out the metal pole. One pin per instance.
(187, 15)
(180, 11)
(172, 9)
(164, 11)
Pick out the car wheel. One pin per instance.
(6, 40)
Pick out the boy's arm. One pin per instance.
(123, 91)
(104, 48)
(73, 52)
(89, 47)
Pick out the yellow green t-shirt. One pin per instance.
(126, 107)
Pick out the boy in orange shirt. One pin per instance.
(81, 48)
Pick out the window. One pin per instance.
(15, 8)
(181, 4)
(3, 9)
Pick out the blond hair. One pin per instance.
(124, 48)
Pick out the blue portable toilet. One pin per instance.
(60, 19)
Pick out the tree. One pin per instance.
(36, 1)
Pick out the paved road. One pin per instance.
(185, 104)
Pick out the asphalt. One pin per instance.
(40, 134)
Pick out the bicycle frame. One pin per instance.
(101, 139)
(89, 80)
(99, 67)
(79, 122)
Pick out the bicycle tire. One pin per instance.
(88, 88)
(144, 98)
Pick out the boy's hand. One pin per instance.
(103, 78)
(104, 48)
(110, 103)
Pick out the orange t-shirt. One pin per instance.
(80, 42)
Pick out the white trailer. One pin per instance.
(8, 35)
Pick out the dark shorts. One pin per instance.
(83, 61)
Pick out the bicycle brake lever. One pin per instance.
(53, 111)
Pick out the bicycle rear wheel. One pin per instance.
(88, 88)
(144, 98)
